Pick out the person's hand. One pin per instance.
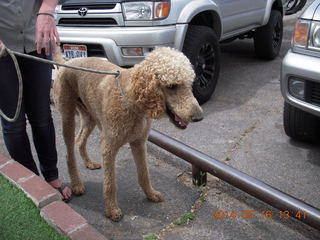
(46, 33)
(1, 46)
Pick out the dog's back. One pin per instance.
(70, 84)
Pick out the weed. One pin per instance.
(184, 219)
(151, 236)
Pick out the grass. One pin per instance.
(184, 219)
(20, 218)
(151, 236)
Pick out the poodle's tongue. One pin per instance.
(180, 121)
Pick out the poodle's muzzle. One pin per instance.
(197, 116)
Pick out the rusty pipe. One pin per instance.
(246, 183)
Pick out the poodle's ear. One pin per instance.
(147, 94)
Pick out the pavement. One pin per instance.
(242, 128)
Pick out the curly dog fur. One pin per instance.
(161, 83)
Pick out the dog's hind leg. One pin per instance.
(138, 149)
(65, 98)
(67, 111)
(87, 124)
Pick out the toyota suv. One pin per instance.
(124, 31)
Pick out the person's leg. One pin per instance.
(14, 133)
(37, 106)
(37, 84)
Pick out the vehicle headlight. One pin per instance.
(314, 41)
(306, 35)
(138, 10)
(142, 11)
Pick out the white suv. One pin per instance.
(300, 78)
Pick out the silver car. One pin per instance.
(300, 78)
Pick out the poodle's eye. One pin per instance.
(172, 86)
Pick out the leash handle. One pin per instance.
(20, 91)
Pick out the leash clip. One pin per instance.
(118, 73)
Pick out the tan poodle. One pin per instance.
(123, 108)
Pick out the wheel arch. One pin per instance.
(278, 5)
(202, 13)
(273, 5)
(209, 19)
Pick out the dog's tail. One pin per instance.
(57, 56)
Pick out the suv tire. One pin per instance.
(267, 39)
(301, 125)
(201, 46)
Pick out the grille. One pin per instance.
(95, 50)
(87, 21)
(89, 6)
(312, 92)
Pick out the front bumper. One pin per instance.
(307, 69)
(114, 38)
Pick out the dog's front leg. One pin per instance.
(109, 186)
(138, 149)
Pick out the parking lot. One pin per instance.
(242, 128)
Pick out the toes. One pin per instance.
(78, 189)
(114, 214)
(93, 165)
(66, 193)
(155, 196)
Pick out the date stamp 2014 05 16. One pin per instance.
(263, 214)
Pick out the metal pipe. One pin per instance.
(251, 185)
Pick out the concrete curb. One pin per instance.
(54, 211)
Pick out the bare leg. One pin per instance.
(139, 154)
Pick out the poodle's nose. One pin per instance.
(197, 113)
(197, 118)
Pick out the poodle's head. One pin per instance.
(162, 83)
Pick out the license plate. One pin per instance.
(75, 51)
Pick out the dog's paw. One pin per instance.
(78, 189)
(114, 214)
(93, 165)
(155, 196)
